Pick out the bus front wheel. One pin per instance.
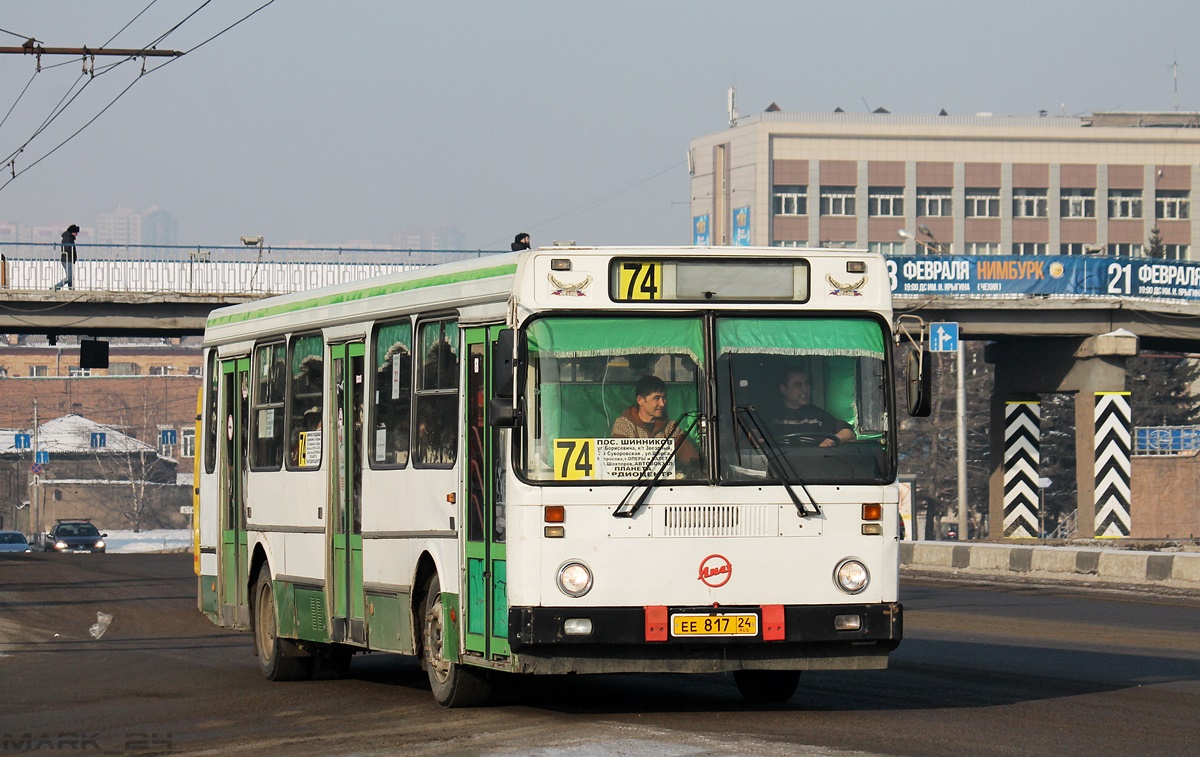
(453, 684)
(275, 666)
(764, 686)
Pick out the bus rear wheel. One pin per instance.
(766, 686)
(453, 684)
(275, 666)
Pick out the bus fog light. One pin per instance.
(845, 622)
(872, 529)
(852, 576)
(555, 532)
(574, 579)
(577, 626)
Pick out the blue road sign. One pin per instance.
(21, 441)
(943, 337)
(43, 458)
(168, 436)
(99, 438)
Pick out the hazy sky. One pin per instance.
(340, 121)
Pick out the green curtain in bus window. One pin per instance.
(591, 337)
(818, 336)
(306, 401)
(392, 367)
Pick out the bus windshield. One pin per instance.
(617, 399)
(802, 399)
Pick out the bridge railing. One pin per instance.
(276, 270)
(208, 270)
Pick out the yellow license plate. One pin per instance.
(714, 625)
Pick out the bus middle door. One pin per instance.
(233, 567)
(345, 506)
(485, 604)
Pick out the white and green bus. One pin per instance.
(434, 463)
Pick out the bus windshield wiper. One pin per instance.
(751, 424)
(628, 509)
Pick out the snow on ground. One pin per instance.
(130, 542)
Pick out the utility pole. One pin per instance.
(35, 505)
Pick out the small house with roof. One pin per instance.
(88, 470)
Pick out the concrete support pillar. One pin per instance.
(1114, 464)
(1022, 445)
(1083, 367)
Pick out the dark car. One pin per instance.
(74, 536)
(13, 541)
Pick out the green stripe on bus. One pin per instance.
(362, 294)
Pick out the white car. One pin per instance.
(14, 541)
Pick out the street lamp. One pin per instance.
(932, 246)
(254, 242)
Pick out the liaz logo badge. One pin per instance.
(715, 571)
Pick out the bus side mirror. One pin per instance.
(919, 385)
(501, 408)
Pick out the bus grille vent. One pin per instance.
(316, 610)
(716, 520)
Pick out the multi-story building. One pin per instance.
(159, 227)
(122, 226)
(1115, 183)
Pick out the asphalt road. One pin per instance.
(1004, 670)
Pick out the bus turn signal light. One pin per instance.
(556, 514)
(872, 512)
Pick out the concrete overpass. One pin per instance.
(1053, 325)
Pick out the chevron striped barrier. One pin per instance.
(1022, 437)
(1114, 432)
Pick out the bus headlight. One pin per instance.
(574, 579)
(851, 576)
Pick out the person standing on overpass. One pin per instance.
(68, 257)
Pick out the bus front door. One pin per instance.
(233, 580)
(485, 601)
(345, 507)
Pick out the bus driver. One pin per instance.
(799, 417)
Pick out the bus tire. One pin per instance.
(271, 660)
(453, 684)
(766, 686)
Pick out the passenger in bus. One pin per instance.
(647, 419)
(798, 418)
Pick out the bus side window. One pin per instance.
(392, 383)
(306, 401)
(269, 385)
(437, 394)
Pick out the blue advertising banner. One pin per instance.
(741, 227)
(1001, 276)
(700, 232)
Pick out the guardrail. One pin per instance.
(1166, 440)
(1098, 565)
(209, 270)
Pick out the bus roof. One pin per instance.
(489, 278)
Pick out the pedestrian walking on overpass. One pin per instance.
(68, 257)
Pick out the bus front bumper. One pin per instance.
(678, 639)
